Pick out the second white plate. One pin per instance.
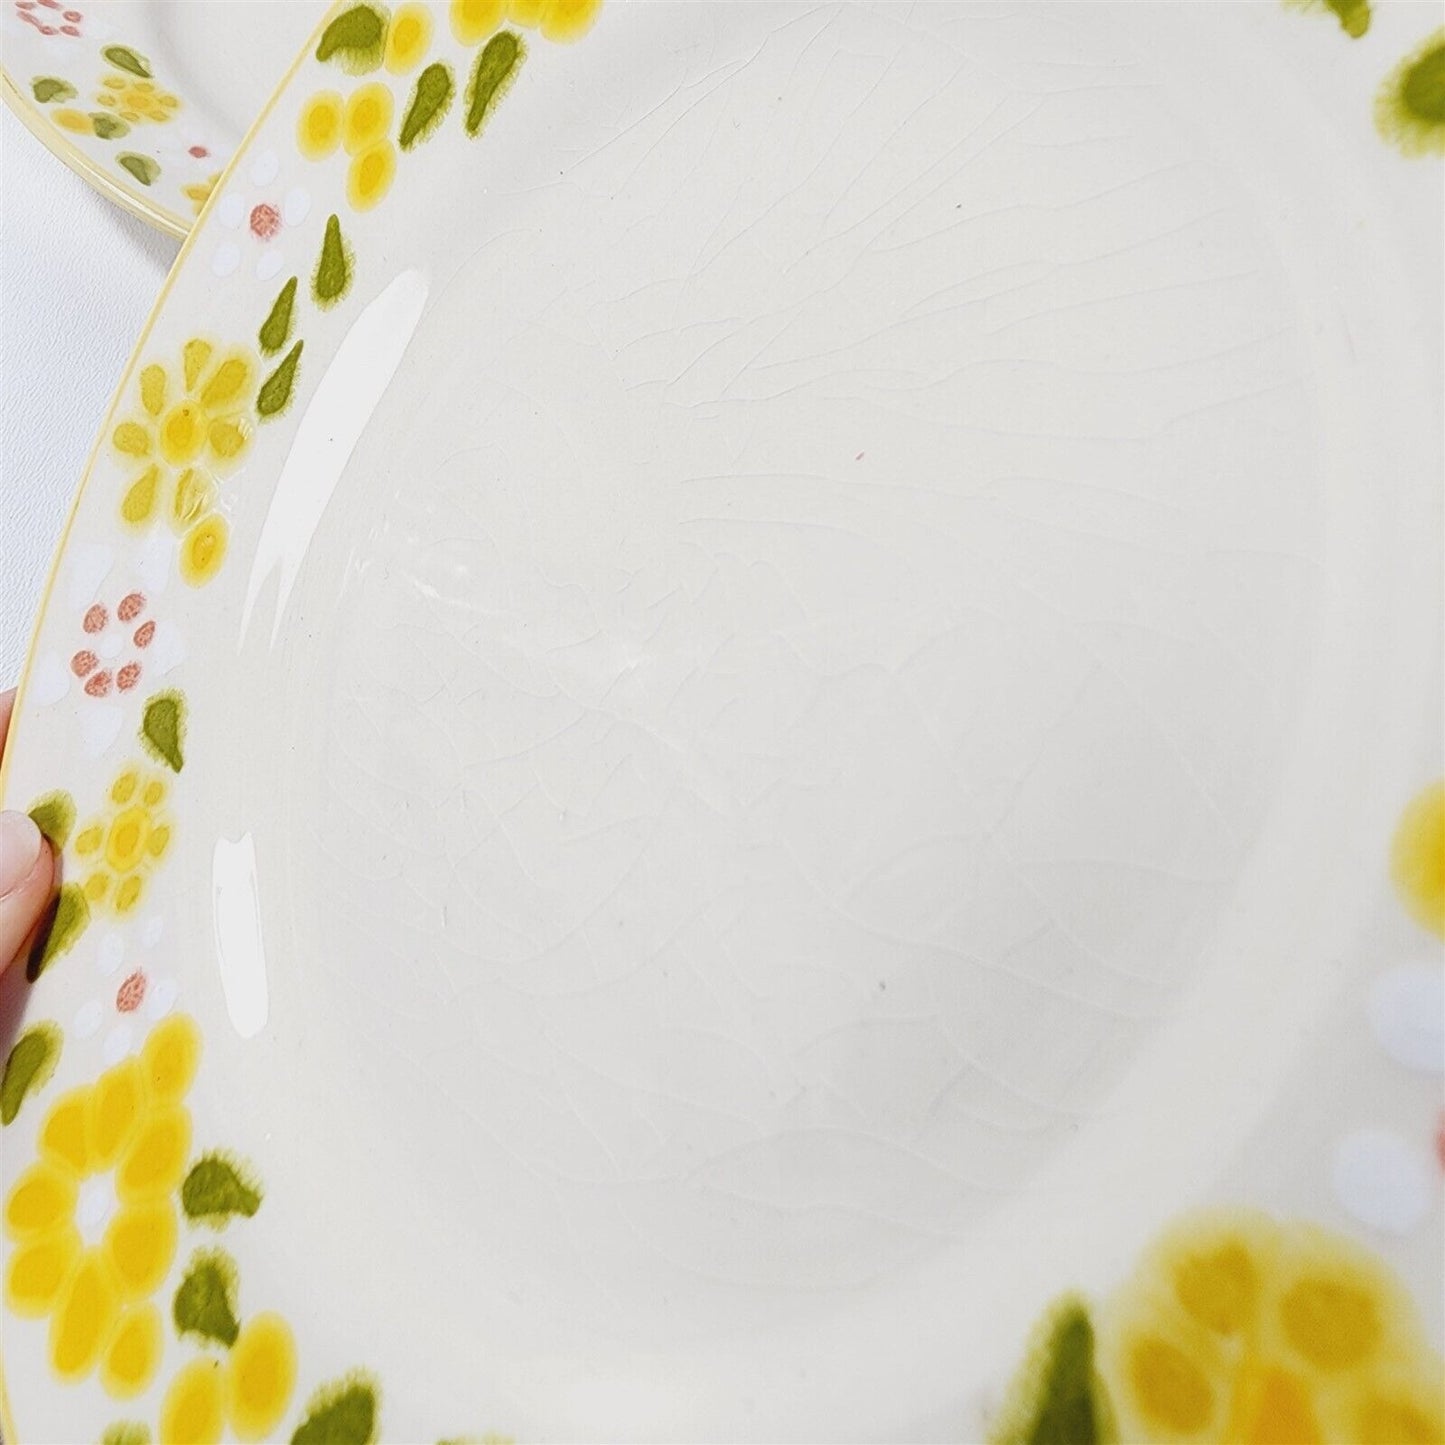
(148, 99)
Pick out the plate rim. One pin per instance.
(88, 171)
(156, 216)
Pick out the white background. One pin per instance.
(78, 277)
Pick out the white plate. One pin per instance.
(797, 707)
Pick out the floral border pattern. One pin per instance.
(113, 115)
(1242, 1329)
(97, 1223)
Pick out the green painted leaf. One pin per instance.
(163, 729)
(28, 1069)
(496, 68)
(429, 103)
(1057, 1397)
(354, 39)
(143, 168)
(1353, 15)
(124, 58)
(1422, 86)
(107, 126)
(276, 328)
(126, 1432)
(205, 1303)
(342, 1413)
(50, 88)
(216, 1189)
(333, 270)
(69, 915)
(1410, 104)
(54, 815)
(275, 393)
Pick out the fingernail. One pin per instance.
(19, 848)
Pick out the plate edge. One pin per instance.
(85, 168)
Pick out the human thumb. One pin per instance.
(27, 874)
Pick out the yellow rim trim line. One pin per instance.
(90, 171)
(82, 164)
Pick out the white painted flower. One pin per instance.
(88, 1018)
(192, 163)
(110, 953)
(153, 998)
(111, 642)
(1382, 1180)
(1407, 1014)
(255, 213)
(133, 997)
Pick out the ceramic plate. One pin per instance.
(147, 99)
(745, 718)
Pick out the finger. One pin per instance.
(7, 706)
(27, 877)
(33, 939)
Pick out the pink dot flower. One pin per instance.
(51, 17)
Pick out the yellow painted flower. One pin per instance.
(1238, 1329)
(76, 120)
(318, 128)
(360, 122)
(191, 426)
(367, 117)
(121, 846)
(94, 1219)
(407, 38)
(557, 19)
(249, 1390)
(130, 1360)
(371, 175)
(1417, 858)
(474, 20)
(260, 1376)
(1235, 1330)
(136, 100)
(568, 19)
(203, 549)
(194, 1409)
